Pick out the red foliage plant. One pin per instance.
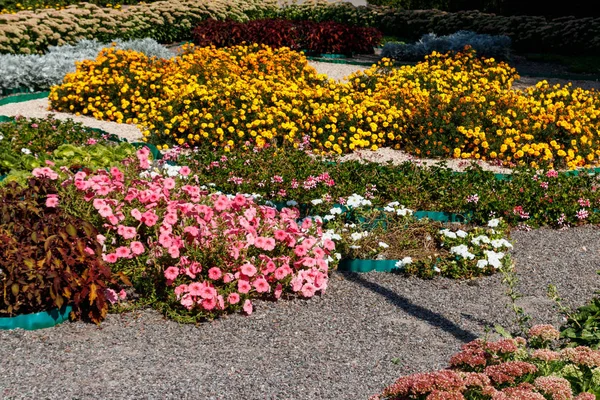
(49, 258)
(313, 37)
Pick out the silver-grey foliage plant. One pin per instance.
(38, 72)
(484, 45)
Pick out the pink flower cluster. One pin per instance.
(216, 251)
(501, 370)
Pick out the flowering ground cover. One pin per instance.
(453, 105)
(528, 197)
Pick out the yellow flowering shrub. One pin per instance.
(447, 106)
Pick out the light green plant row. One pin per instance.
(165, 21)
(37, 72)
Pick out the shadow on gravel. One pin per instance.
(431, 317)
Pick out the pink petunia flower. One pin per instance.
(233, 298)
(261, 285)
(185, 170)
(248, 269)
(52, 200)
(123, 252)
(278, 291)
(214, 273)
(110, 258)
(171, 273)
(248, 307)
(243, 286)
(209, 304)
(137, 248)
(111, 296)
(195, 288)
(308, 290)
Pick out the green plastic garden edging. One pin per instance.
(23, 97)
(356, 265)
(41, 320)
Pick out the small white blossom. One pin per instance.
(493, 223)
(335, 210)
(291, 203)
(316, 201)
(403, 262)
(494, 259)
(497, 243)
(448, 233)
(480, 239)
(384, 245)
(355, 246)
(462, 234)
(462, 251)
(25, 151)
(329, 217)
(482, 263)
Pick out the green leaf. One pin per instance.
(71, 230)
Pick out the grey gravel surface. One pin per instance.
(338, 346)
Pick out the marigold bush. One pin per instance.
(449, 105)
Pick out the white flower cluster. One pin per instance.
(357, 201)
(403, 262)
(355, 236)
(396, 208)
(463, 251)
(453, 235)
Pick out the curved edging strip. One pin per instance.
(41, 320)
(24, 97)
(356, 265)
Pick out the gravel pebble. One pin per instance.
(337, 346)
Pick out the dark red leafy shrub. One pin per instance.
(48, 258)
(314, 37)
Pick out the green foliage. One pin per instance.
(583, 327)
(49, 259)
(28, 143)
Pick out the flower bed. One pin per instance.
(529, 198)
(419, 247)
(417, 108)
(312, 37)
(507, 369)
(26, 144)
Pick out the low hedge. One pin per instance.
(564, 35)
(165, 21)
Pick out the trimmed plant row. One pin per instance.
(27, 31)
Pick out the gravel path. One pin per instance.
(338, 346)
